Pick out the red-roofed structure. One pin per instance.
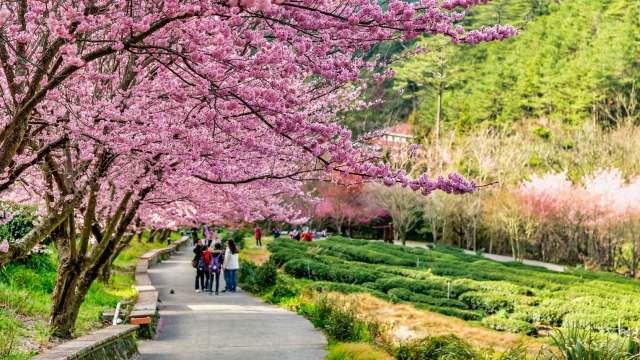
(396, 137)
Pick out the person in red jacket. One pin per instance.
(207, 257)
(258, 236)
(306, 235)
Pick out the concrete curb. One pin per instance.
(114, 342)
(118, 342)
(145, 311)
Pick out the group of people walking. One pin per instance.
(306, 234)
(210, 261)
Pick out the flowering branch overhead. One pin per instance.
(186, 104)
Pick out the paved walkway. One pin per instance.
(499, 258)
(229, 326)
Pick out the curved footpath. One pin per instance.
(499, 258)
(229, 326)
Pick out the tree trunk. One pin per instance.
(71, 288)
(398, 236)
(444, 231)
(105, 272)
(77, 273)
(437, 125)
(166, 236)
(68, 295)
(474, 234)
(634, 256)
(434, 230)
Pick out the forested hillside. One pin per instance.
(548, 121)
(573, 60)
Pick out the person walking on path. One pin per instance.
(199, 264)
(194, 235)
(215, 266)
(207, 257)
(307, 235)
(295, 234)
(230, 265)
(258, 236)
(208, 238)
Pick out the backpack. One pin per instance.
(215, 263)
(201, 263)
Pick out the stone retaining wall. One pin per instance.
(118, 342)
(114, 343)
(145, 311)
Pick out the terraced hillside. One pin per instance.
(503, 296)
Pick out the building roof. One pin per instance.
(402, 129)
(395, 138)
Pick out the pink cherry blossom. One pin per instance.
(198, 111)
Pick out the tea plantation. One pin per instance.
(503, 296)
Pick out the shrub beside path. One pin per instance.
(229, 326)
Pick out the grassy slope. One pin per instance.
(254, 254)
(25, 300)
(356, 351)
(405, 321)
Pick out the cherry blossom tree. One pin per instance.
(591, 220)
(403, 205)
(345, 203)
(116, 115)
(107, 72)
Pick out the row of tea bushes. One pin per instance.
(510, 297)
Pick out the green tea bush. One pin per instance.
(258, 278)
(327, 286)
(346, 240)
(281, 292)
(267, 274)
(280, 257)
(363, 254)
(352, 276)
(310, 269)
(247, 272)
(502, 323)
(550, 312)
(408, 295)
(470, 287)
(488, 302)
(420, 287)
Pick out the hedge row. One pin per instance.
(445, 280)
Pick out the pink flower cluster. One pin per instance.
(222, 109)
(452, 4)
(601, 199)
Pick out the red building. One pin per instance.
(396, 138)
